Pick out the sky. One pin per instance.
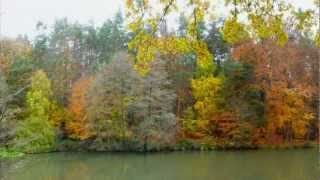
(21, 16)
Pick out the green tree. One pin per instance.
(239, 96)
(112, 38)
(216, 43)
(36, 133)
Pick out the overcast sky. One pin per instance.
(21, 16)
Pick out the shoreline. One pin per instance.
(8, 154)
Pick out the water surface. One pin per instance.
(217, 165)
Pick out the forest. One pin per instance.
(141, 83)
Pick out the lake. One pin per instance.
(300, 164)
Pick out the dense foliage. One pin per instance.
(232, 82)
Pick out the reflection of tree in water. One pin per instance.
(9, 166)
(3, 169)
(230, 165)
(77, 170)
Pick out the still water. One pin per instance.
(217, 165)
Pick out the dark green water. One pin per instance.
(220, 165)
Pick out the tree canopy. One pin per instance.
(140, 82)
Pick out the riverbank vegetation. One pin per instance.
(248, 80)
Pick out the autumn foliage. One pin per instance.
(77, 126)
(287, 93)
(248, 80)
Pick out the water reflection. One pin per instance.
(231, 165)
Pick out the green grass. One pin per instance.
(4, 153)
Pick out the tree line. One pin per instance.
(135, 84)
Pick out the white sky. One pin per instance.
(21, 16)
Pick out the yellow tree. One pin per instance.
(148, 42)
(288, 111)
(205, 91)
(264, 20)
(144, 22)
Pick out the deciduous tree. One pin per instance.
(36, 133)
(78, 125)
(113, 90)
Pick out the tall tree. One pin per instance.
(113, 90)
(112, 38)
(216, 43)
(206, 94)
(154, 108)
(78, 125)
